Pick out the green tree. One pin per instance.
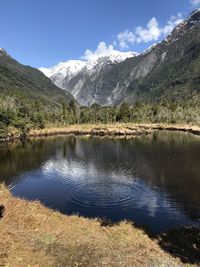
(124, 113)
(3, 130)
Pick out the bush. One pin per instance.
(3, 130)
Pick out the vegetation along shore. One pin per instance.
(20, 118)
(140, 196)
(112, 130)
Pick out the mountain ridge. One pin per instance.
(18, 79)
(67, 70)
(168, 70)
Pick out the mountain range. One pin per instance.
(64, 72)
(168, 70)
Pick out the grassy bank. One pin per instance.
(32, 235)
(114, 129)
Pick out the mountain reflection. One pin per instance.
(149, 178)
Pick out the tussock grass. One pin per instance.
(93, 129)
(33, 235)
(115, 129)
(112, 130)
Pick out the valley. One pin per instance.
(100, 154)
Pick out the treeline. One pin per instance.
(19, 114)
(163, 112)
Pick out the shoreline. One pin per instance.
(123, 129)
(34, 235)
(111, 130)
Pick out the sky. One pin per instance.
(42, 33)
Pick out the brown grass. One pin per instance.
(112, 130)
(93, 129)
(115, 129)
(33, 235)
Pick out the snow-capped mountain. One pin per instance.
(167, 70)
(63, 72)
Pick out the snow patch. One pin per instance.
(69, 69)
(3, 51)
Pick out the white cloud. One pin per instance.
(195, 3)
(148, 34)
(152, 32)
(102, 50)
(172, 23)
(126, 37)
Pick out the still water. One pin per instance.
(153, 181)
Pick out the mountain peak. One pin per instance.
(195, 14)
(102, 80)
(63, 68)
(193, 18)
(67, 70)
(3, 52)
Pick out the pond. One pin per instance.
(153, 181)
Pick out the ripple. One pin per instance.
(104, 195)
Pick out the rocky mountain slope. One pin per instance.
(75, 75)
(29, 82)
(169, 70)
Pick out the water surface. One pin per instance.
(153, 181)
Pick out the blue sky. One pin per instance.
(44, 32)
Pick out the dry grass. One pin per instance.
(93, 129)
(115, 129)
(112, 130)
(32, 235)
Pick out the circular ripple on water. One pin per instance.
(104, 195)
